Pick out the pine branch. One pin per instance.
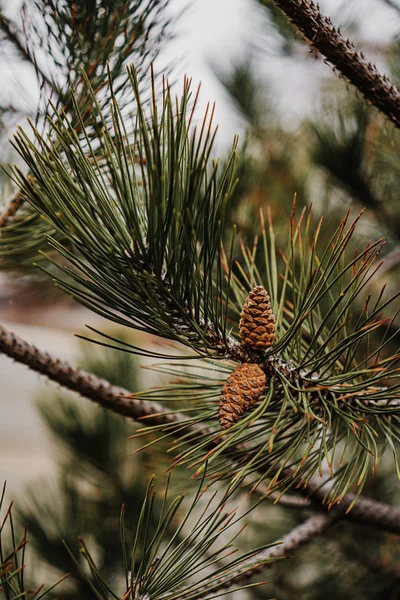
(359, 510)
(341, 53)
(162, 234)
(300, 535)
(365, 511)
(114, 398)
(95, 38)
(155, 264)
(90, 386)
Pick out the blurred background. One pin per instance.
(302, 130)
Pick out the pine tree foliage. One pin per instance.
(177, 566)
(12, 559)
(96, 475)
(272, 162)
(328, 392)
(330, 395)
(135, 212)
(158, 225)
(358, 152)
(61, 41)
(287, 33)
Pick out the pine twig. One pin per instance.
(290, 501)
(122, 402)
(11, 208)
(341, 53)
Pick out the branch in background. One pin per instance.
(341, 53)
(365, 511)
(300, 535)
(392, 4)
(113, 398)
(13, 37)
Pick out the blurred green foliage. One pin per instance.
(97, 473)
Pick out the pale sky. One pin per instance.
(219, 31)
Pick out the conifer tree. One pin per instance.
(281, 357)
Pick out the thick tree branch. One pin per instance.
(341, 53)
(94, 388)
(365, 511)
(117, 399)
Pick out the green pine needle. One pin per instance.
(141, 228)
(332, 401)
(178, 566)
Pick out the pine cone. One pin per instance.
(257, 321)
(241, 390)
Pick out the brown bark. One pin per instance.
(343, 56)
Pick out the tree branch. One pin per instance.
(86, 384)
(365, 511)
(300, 535)
(392, 4)
(341, 53)
(119, 400)
(12, 35)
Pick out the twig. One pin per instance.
(300, 535)
(116, 399)
(366, 511)
(341, 53)
(289, 501)
(11, 208)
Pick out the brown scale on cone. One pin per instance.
(257, 322)
(241, 390)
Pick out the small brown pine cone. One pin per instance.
(257, 321)
(241, 390)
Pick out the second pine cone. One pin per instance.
(241, 390)
(257, 321)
